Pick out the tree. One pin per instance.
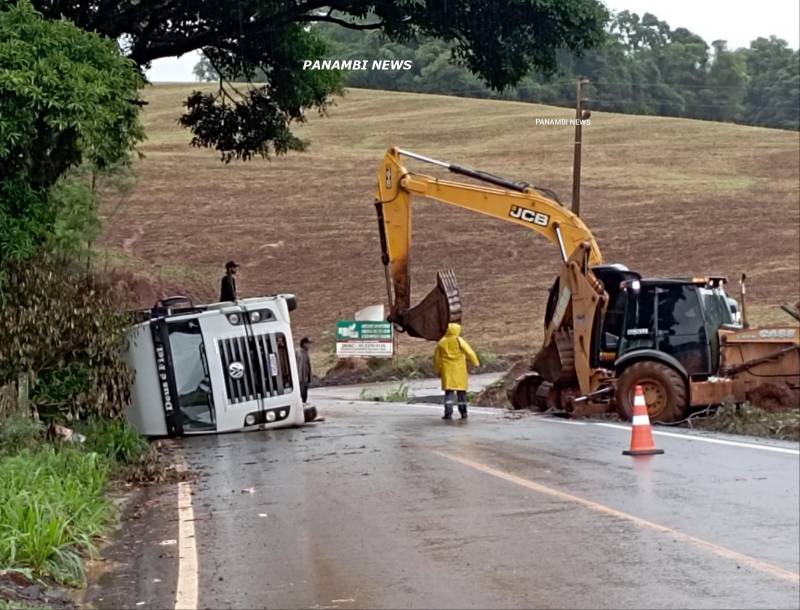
(642, 67)
(726, 83)
(499, 40)
(773, 93)
(66, 96)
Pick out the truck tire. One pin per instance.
(309, 414)
(664, 389)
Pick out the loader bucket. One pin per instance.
(429, 319)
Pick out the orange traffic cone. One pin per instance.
(641, 433)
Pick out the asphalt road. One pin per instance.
(387, 506)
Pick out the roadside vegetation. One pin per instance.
(54, 506)
(68, 127)
(399, 393)
(751, 420)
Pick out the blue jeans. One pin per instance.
(450, 397)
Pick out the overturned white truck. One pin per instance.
(203, 369)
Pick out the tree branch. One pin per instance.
(347, 24)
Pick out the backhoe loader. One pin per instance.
(606, 328)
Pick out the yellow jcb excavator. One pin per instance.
(607, 329)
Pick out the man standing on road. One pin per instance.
(304, 367)
(450, 359)
(227, 290)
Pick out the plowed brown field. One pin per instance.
(664, 196)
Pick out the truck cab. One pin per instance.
(220, 367)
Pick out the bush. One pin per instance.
(63, 325)
(18, 433)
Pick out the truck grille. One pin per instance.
(255, 367)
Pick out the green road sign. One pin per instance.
(362, 339)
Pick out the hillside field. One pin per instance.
(664, 196)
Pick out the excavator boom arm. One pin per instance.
(514, 202)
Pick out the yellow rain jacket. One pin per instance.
(450, 359)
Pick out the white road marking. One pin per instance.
(372, 403)
(553, 420)
(186, 594)
(627, 428)
(706, 439)
(721, 551)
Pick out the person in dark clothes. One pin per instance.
(227, 290)
(304, 367)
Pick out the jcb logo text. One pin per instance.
(531, 216)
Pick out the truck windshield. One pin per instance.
(191, 376)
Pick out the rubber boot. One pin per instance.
(462, 408)
(448, 410)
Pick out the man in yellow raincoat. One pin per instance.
(450, 359)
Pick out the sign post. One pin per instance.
(364, 339)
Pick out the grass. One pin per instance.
(117, 441)
(400, 393)
(53, 502)
(52, 508)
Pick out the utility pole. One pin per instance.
(581, 114)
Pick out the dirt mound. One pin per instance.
(496, 395)
(346, 371)
(144, 290)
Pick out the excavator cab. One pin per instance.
(666, 317)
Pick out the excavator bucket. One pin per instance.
(429, 319)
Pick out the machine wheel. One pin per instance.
(773, 397)
(522, 395)
(309, 414)
(664, 390)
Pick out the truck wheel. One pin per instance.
(664, 390)
(309, 414)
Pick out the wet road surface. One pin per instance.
(385, 505)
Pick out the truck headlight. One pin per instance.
(255, 316)
(270, 415)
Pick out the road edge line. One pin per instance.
(707, 439)
(186, 591)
